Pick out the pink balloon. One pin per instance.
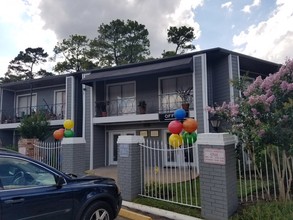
(175, 127)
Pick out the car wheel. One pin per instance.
(98, 211)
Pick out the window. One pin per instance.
(169, 100)
(121, 99)
(26, 104)
(18, 173)
(59, 103)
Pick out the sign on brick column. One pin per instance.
(218, 179)
(130, 177)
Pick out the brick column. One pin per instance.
(73, 155)
(218, 179)
(130, 173)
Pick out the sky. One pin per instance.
(259, 28)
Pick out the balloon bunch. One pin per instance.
(185, 126)
(66, 131)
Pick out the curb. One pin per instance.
(132, 215)
(156, 211)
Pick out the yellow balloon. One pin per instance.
(68, 124)
(175, 140)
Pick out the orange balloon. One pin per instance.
(58, 134)
(190, 125)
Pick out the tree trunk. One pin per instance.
(280, 171)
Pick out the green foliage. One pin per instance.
(265, 210)
(22, 66)
(75, 53)
(191, 211)
(120, 42)
(168, 53)
(34, 126)
(182, 37)
(262, 119)
(11, 147)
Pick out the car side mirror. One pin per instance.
(60, 181)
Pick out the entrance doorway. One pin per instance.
(113, 147)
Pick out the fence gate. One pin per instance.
(49, 153)
(170, 174)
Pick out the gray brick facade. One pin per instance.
(218, 181)
(73, 155)
(129, 171)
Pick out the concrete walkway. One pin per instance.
(165, 175)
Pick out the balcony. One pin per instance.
(52, 112)
(166, 103)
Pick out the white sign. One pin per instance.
(214, 156)
(124, 150)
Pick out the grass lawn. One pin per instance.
(265, 210)
(253, 211)
(168, 206)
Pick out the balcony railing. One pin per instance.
(52, 112)
(127, 106)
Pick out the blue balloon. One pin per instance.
(180, 114)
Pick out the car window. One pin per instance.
(21, 173)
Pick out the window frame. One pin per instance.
(122, 111)
(33, 105)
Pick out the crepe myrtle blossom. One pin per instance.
(262, 118)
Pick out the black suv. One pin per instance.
(32, 190)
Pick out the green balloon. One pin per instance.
(68, 133)
(189, 138)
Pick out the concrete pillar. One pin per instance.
(130, 178)
(73, 155)
(218, 178)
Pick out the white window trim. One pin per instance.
(170, 77)
(120, 84)
(117, 84)
(22, 95)
(54, 101)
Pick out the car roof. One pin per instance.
(6, 150)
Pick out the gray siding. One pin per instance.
(87, 129)
(44, 95)
(99, 147)
(8, 105)
(221, 81)
(198, 69)
(235, 71)
(147, 90)
(69, 85)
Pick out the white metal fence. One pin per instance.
(170, 174)
(49, 153)
(258, 181)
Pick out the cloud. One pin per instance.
(227, 5)
(270, 39)
(247, 8)
(23, 28)
(81, 17)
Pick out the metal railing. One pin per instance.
(170, 174)
(52, 112)
(257, 180)
(49, 153)
(162, 104)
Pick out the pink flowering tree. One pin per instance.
(262, 119)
